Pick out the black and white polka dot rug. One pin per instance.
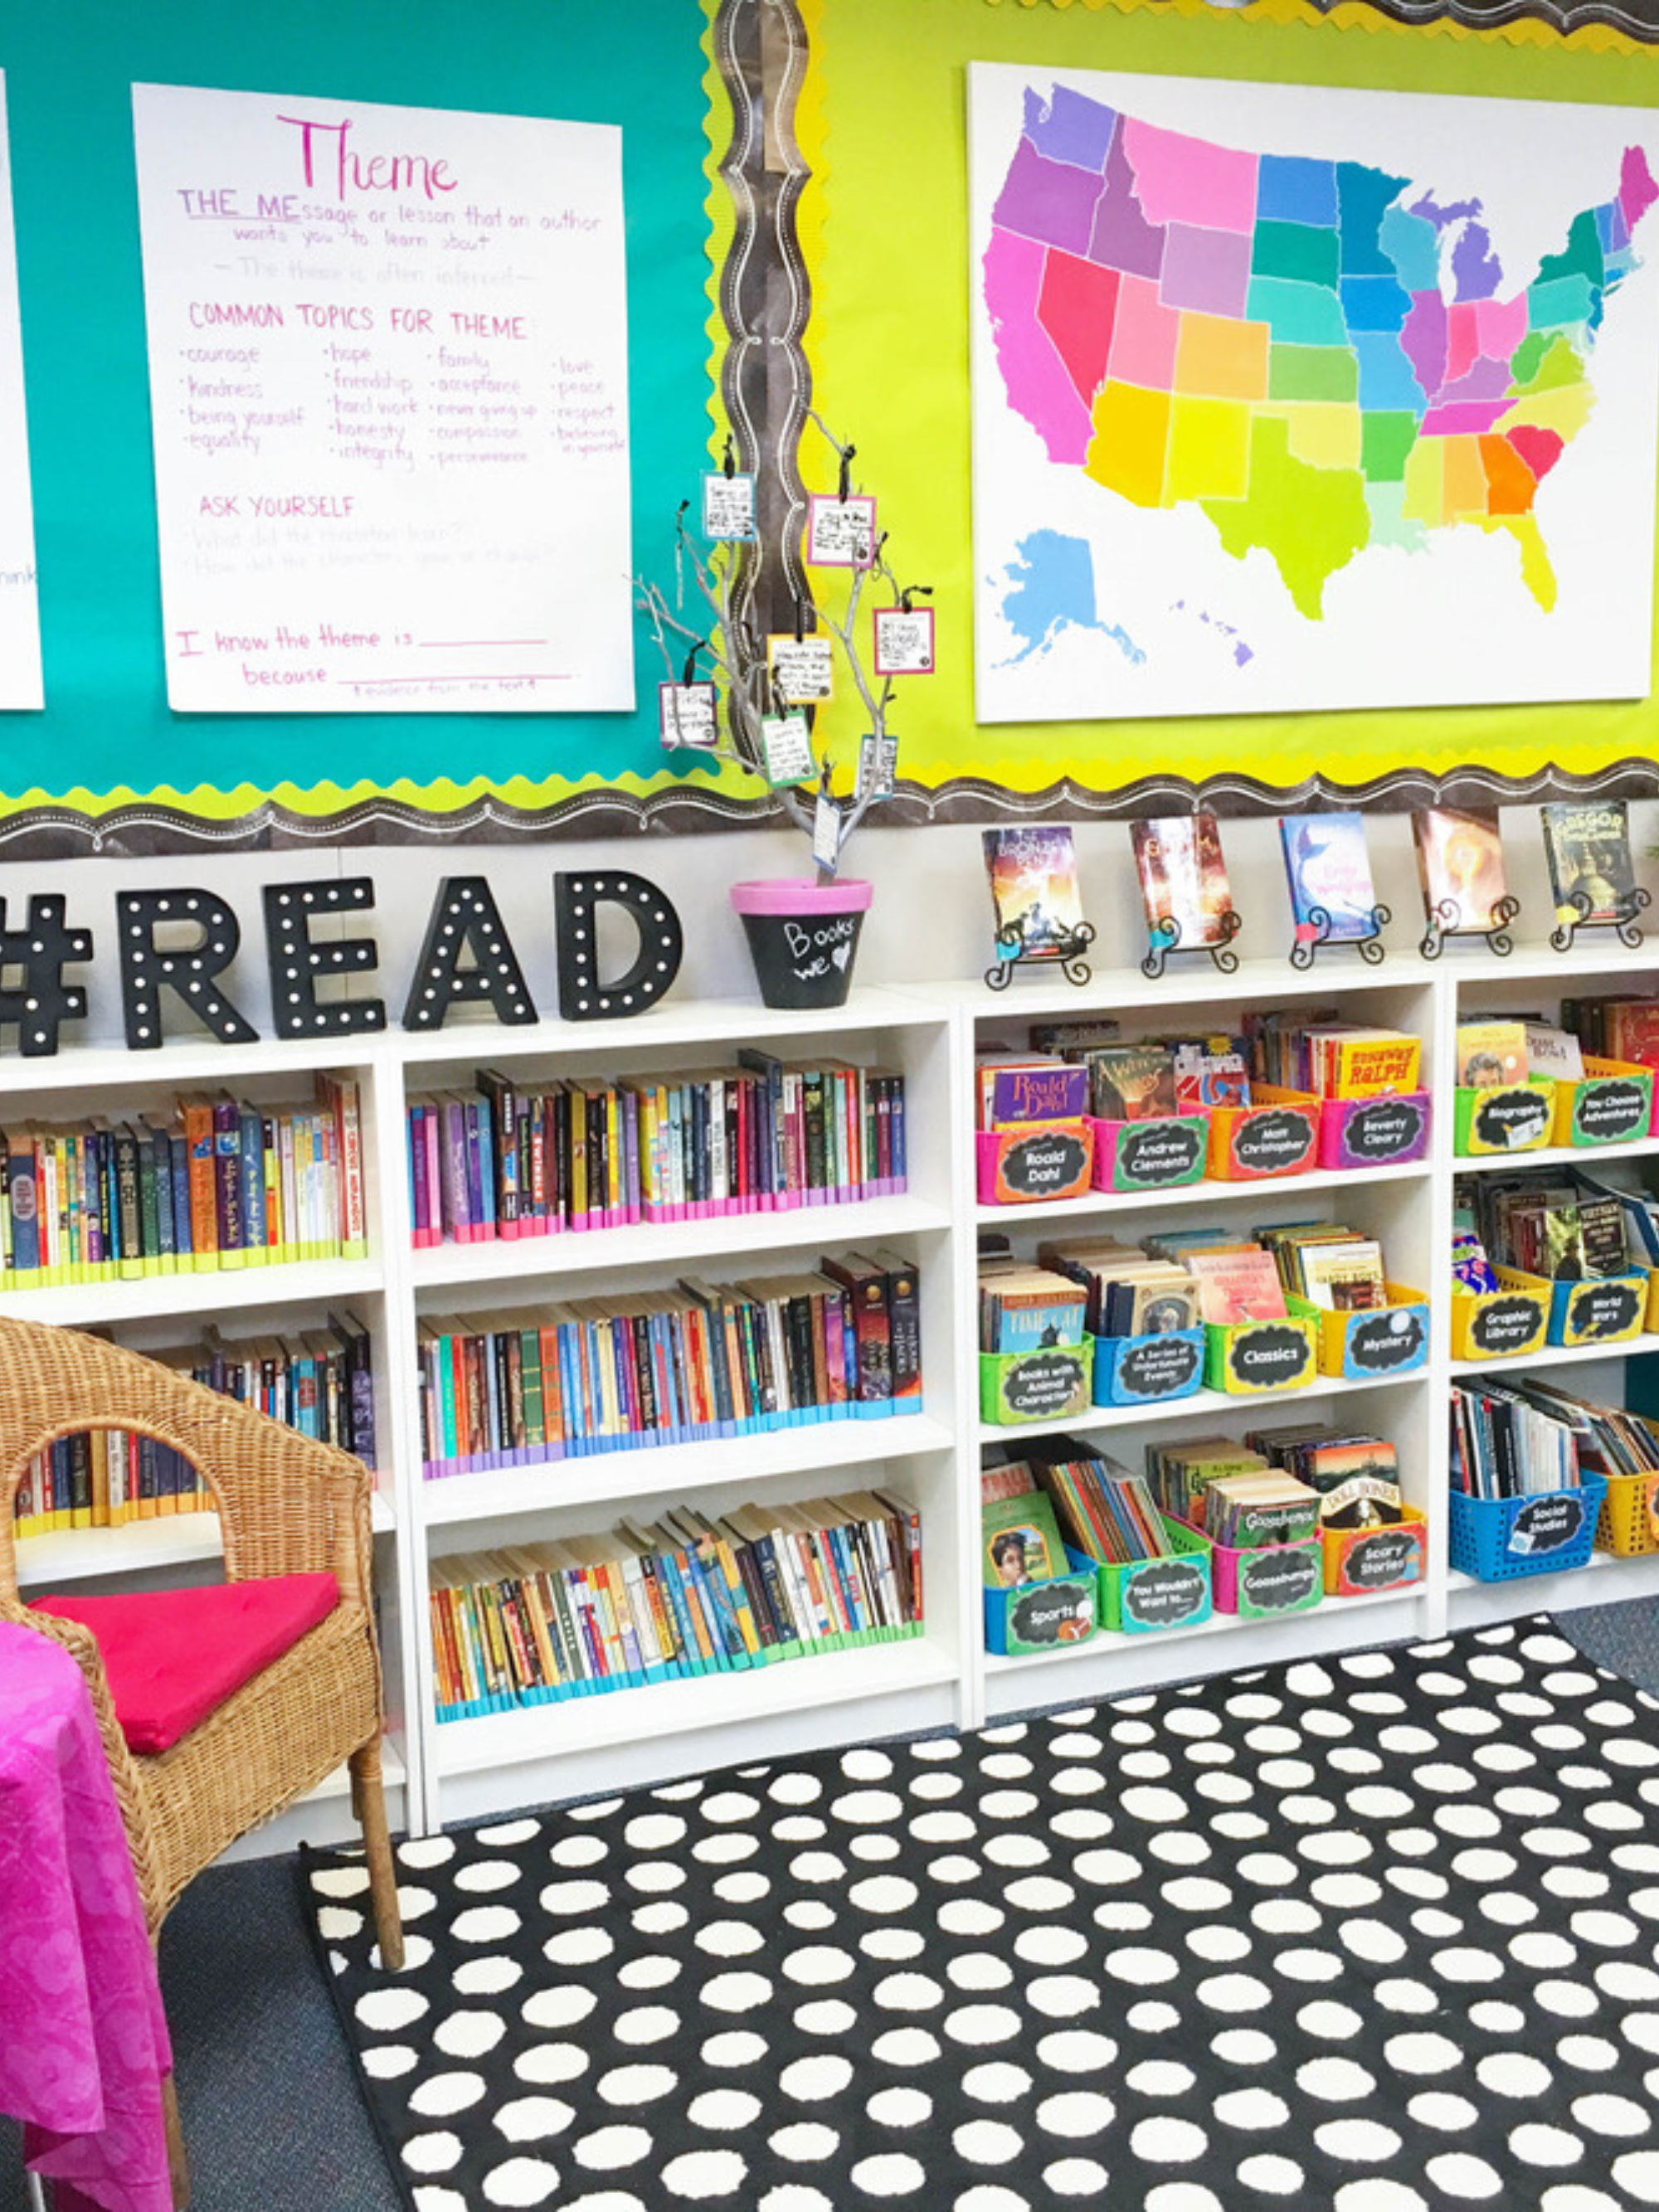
(1375, 1934)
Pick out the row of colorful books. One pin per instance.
(668, 1600)
(700, 1361)
(319, 1382)
(221, 1183)
(500, 1161)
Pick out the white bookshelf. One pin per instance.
(453, 1770)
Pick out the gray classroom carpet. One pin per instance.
(271, 2112)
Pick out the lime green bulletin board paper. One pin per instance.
(106, 747)
(888, 349)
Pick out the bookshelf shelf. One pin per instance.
(172, 1540)
(1276, 1191)
(221, 1295)
(1557, 1156)
(1560, 1355)
(1203, 1404)
(1103, 1648)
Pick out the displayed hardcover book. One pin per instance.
(1020, 1540)
(1491, 1052)
(1014, 1089)
(1615, 1028)
(1025, 1309)
(1331, 897)
(1033, 888)
(1132, 1082)
(1183, 877)
(1343, 1276)
(1460, 863)
(1587, 844)
(1237, 1286)
(1357, 1477)
(1208, 1078)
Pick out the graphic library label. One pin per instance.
(1287, 397)
(20, 616)
(388, 389)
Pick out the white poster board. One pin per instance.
(20, 609)
(1287, 397)
(389, 392)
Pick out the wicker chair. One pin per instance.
(287, 1506)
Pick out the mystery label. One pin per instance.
(1545, 1525)
(1158, 1366)
(1384, 1129)
(1044, 1385)
(1164, 1592)
(1052, 1165)
(1387, 1343)
(1378, 1562)
(1053, 1612)
(1508, 1121)
(1152, 1153)
(1597, 1311)
(1615, 1106)
(1279, 1578)
(1273, 1141)
(1268, 1358)
(1506, 1326)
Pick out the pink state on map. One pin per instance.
(1423, 340)
(1032, 372)
(1463, 419)
(1637, 190)
(1501, 325)
(1462, 340)
(1144, 337)
(1181, 179)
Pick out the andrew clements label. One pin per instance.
(1164, 1591)
(1610, 1106)
(1546, 1524)
(1153, 1153)
(1384, 1129)
(1279, 1578)
(1273, 1141)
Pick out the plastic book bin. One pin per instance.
(1356, 1133)
(1628, 1523)
(1140, 1371)
(1057, 1614)
(1267, 1580)
(1599, 1309)
(1155, 1155)
(1361, 1347)
(1246, 1358)
(1502, 1324)
(1611, 1105)
(1510, 1117)
(1278, 1134)
(1049, 1384)
(1495, 1539)
(1172, 1592)
(1017, 1167)
(1359, 1562)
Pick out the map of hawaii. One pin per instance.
(1320, 355)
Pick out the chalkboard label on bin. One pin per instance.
(1043, 1384)
(1602, 1310)
(1377, 1562)
(1504, 1325)
(1273, 1141)
(1383, 1343)
(1045, 1166)
(1505, 1120)
(1158, 1366)
(1279, 1577)
(1268, 1358)
(1613, 1108)
(1164, 1591)
(1384, 1129)
(1054, 1613)
(1159, 1152)
(1545, 1525)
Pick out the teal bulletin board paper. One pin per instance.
(70, 68)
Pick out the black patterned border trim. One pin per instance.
(1638, 18)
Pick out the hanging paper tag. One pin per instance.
(728, 506)
(841, 533)
(787, 745)
(904, 640)
(802, 669)
(877, 766)
(689, 714)
(827, 820)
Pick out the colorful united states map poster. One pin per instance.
(1291, 398)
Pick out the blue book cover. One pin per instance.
(179, 1168)
(1329, 870)
(251, 1148)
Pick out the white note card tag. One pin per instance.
(904, 640)
(827, 820)
(803, 669)
(689, 714)
(728, 506)
(788, 747)
(841, 533)
(877, 766)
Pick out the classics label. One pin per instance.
(1273, 1141)
(1382, 1560)
(1152, 1154)
(1509, 1121)
(1387, 1343)
(1505, 1326)
(1052, 1165)
(1598, 1312)
(1164, 1592)
(1546, 1524)
(1610, 1108)
(1279, 1579)
(1159, 1366)
(1044, 1385)
(1268, 1356)
(1384, 1129)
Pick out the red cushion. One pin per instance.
(171, 1655)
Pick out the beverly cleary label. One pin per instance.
(1384, 1129)
(389, 398)
(20, 615)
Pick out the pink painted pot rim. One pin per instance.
(796, 895)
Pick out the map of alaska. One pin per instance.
(1319, 356)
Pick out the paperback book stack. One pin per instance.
(1336, 1269)
(1024, 1308)
(1103, 1509)
(1558, 1224)
(1505, 1444)
(698, 1362)
(1615, 1026)
(761, 1136)
(1332, 1059)
(685, 1595)
(218, 1183)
